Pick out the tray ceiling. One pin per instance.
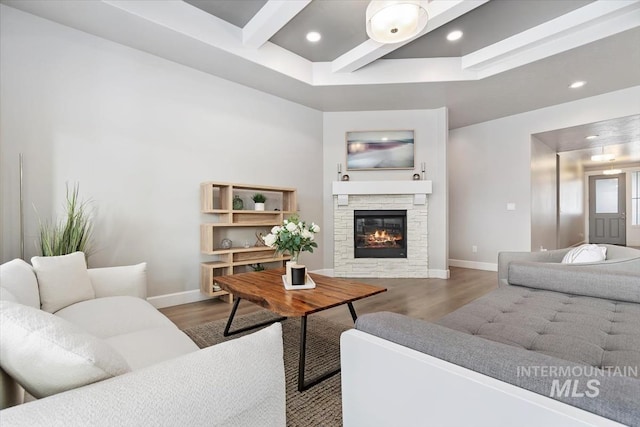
(515, 56)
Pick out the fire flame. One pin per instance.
(381, 236)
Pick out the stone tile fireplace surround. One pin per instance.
(384, 195)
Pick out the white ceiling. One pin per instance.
(516, 56)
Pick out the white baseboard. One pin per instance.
(168, 300)
(488, 266)
(439, 274)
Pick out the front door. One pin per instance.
(607, 207)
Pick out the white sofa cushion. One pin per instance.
(17, 277)
(237, 383)
(585, 253)
(111, 316)
(150, 346)
(6, 295)
(63, 280)
(47, 355)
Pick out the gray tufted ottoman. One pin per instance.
(587, 330)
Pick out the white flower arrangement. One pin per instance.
(293, 236)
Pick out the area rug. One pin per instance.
(321, 405)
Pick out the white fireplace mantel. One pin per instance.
(419, 189)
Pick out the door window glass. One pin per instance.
(607, 195)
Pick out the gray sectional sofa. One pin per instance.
(553, 345)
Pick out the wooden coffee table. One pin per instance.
(265, 288)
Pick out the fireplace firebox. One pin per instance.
(380, 234)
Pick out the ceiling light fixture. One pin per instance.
(603, 157)
(590, 137)
(394, 21)
(611, 171)
(313, 36)
(578, 84)
(454, 35)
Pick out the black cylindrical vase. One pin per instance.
(298, 275)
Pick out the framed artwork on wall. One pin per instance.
(378, 149)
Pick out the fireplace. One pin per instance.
(380, 233)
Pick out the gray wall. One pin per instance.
(139, 134)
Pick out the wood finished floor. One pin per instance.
(427, 299)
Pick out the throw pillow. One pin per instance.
(123, 280)
(62, 280)
(46, 354)
(585, 253)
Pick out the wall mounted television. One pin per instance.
(374, 150)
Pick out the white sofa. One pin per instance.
(171, 381)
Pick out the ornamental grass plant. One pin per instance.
(71, 234)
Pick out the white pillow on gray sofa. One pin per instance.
(585, 253)
(46, 354)
(62, 280)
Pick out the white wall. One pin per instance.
(544, 207)
(430, 146)
(557, 202)
(139, 134)
(633, 231)
(490, 166)
(571, 212)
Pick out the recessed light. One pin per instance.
(313, 36)
(576, 85)
(454, 35)
(385, 138)
(591, 137)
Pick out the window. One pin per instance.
(635, 198)
(607, 196)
